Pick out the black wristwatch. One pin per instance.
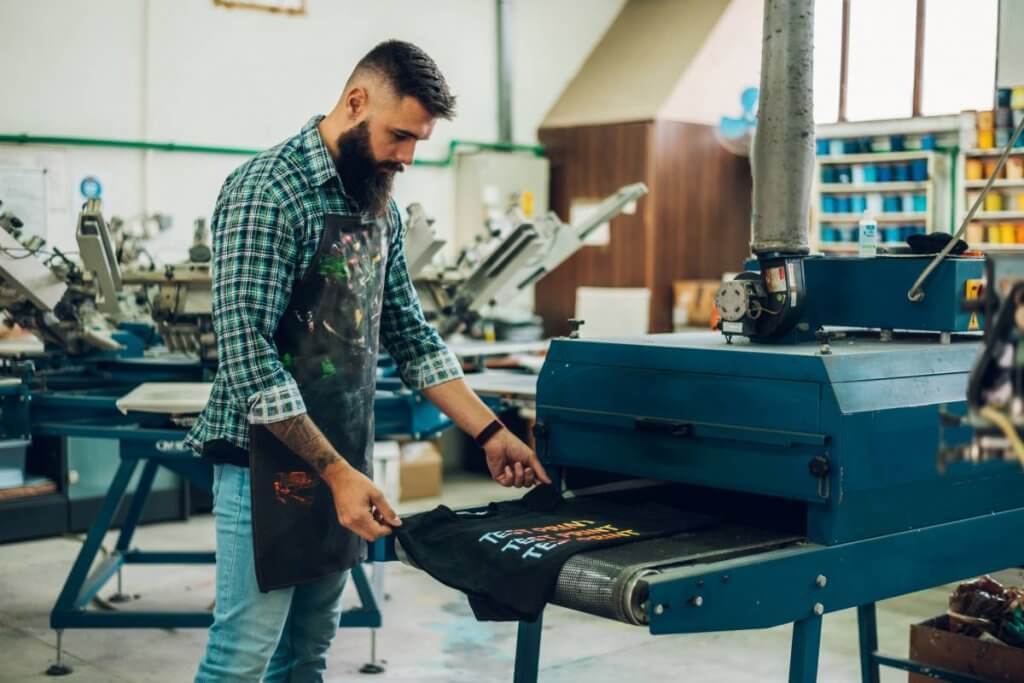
(487, 432)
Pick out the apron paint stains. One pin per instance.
(328, 340)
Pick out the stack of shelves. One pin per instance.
(898, 188)
(999, 224)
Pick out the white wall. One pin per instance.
(189, 72)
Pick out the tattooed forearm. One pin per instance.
(307, 441)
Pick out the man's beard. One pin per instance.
(365, 179)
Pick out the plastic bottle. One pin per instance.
(867, 240)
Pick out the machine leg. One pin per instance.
(372, 667)
(59, 668)
(803, 658)
(131, 521)
(69, 598)
(867, 625)
(528, 651)
(142, 490)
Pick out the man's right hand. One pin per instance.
(361, 506)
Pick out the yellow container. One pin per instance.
(1007, 233)
(990, 167)
(986, 139)
(975, 233)
(1017, 98)
(994, 201)
(974, 169)
(1014, 168)
(994, 234)
(986, 120)
(1020, 201)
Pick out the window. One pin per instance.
(828, 49)
(956, 69)
(880, 82)
(959, 55)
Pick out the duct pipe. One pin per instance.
(783, 153)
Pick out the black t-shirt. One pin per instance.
(507, 557)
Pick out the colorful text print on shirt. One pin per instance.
(534, 543)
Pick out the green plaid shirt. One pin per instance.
(266, 228)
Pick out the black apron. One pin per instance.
(327, 339)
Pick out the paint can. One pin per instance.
(1007, 233)
(994, 201)
(974, 169)
(975, 232)
(1017, 97)
(990, 167)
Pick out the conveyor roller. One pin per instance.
(610, 582)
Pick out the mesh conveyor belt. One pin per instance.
(609, 582)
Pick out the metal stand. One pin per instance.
(59, 668)
(867, 625)
(120, 596)
(372, 667)
(803, 657)
(528, 651)
(82, 586)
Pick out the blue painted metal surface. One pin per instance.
(149, 440)
(848, 438)
(871, 292)
(743, 417)
(803, 656)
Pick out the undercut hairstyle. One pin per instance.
(411, 73)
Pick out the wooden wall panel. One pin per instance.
(702, 208)
(695, 223)
(591, 162)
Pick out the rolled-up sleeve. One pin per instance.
(423, 358)
(254, 266)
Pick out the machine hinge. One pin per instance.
(820, 468)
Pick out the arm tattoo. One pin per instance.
(303, 437)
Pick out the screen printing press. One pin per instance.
(812, 429)
(818, 459)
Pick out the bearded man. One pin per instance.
(309, 276)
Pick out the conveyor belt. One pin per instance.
(611, 582)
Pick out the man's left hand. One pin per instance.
(512, 462)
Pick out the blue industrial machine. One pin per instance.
(809, 430)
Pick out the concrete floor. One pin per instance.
(429, 632)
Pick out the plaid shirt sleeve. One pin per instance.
(253, 270)
(422, 356)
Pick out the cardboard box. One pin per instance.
(694, 302)
(932, 644)
(420, 470)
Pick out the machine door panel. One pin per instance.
(768, 462)
(685, 396)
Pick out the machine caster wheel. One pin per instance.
(371, 669)
(59, 670)
(117, 598)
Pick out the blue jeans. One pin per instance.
(282, 635)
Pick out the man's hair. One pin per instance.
(410, 72)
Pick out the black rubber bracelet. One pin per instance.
(487, 432)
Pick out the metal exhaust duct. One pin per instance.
(783, 153)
